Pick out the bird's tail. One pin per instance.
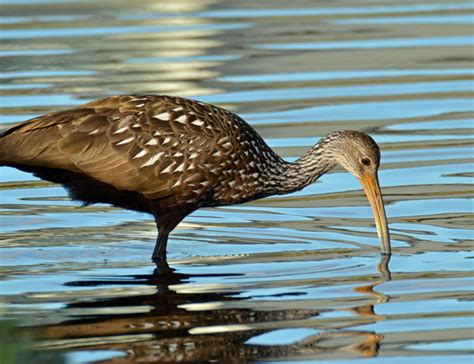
(3, 148)
(31, 143)
(8, 145)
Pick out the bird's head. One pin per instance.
(360, 155)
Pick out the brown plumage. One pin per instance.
(169, 156)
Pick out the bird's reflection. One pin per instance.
(160, 327)
(386, 275)
(383, 267)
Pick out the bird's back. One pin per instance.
(160, 147)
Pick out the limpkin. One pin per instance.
(170, 156)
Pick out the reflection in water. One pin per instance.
(383, 267)
(158, 326)
(386, 275)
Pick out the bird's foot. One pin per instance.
(162, 267)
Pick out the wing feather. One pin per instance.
(144, 149)
(154, 145)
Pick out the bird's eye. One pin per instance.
(365, 161)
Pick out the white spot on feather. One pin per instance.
(95, 131)
(125, 141)
(167, 169)
(167, 140)
(197, 122)
(121, 130)
(222, 140)
(138, 98)
(181, 119)
(152, 160)
(140, 154)
(162, 116)
(193, 155)
(180, 168)
(152, 141)
(177, 183)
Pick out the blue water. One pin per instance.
(292, 278)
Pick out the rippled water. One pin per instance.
(287, 278)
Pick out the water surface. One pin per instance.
(289, 278)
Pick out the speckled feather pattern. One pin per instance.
(162, 147)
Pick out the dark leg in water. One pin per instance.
(165, 224)
(159, 253)
(160, 247)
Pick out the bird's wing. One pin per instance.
(152, 145)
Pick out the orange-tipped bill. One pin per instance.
(371, 187)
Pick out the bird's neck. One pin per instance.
(294, 176)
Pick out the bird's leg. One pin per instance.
(162, 268)
(159, 253)
(165, 222)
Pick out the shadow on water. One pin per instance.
(162, 328)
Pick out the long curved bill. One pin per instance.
(371, 187)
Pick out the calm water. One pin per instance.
(288, 278)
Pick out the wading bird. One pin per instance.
(170, 156)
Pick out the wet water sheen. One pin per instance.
(287, 278)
